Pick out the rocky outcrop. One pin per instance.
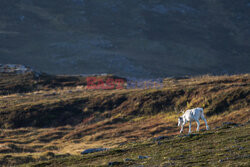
(92, 150)
(17, 69)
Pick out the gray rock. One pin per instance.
(17, 69)
(241, 148)
(128, 159)
(186, 150)
(114, 163)
(229, 123)
(92, 150)
(143, 157)
(217, 127)
(160, 138)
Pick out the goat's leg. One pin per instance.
(204, 119)
(181, 128)
(198, 125)
(190, 131)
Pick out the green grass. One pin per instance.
(42, 126)
(220, 147)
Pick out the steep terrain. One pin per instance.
(43, 127)
(131, 38)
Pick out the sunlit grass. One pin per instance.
(117, 117)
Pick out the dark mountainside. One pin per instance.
(129, 38)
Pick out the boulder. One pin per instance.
(143, 157)
(92, 150)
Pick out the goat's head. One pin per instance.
(180, 121)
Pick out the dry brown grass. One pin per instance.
(110, 118)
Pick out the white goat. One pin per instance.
(192, 115)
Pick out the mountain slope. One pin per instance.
(132, 38)
(53, 124)
(229, 147)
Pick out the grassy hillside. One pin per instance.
(45, 126)
(128, 38)
(229, 147)
(11, 83)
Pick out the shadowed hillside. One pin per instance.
(132, 38)
(47, 125)
(73, 105)
(22, 79)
